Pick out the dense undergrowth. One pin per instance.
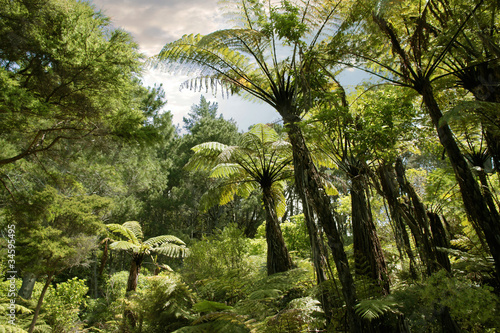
(223, 287)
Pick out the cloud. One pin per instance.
(153, 23)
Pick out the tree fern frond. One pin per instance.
(135, 227)
(277, 191)
(246, 188)
(172, 250)
(374, 308)
(210, 147)
(19, 308)
(42, 328)
(264, 133)
(226, 170)
(123, 231)
(330, 189)
(11, 329)
(159, 240)
(125, 246)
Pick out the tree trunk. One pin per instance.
(278, 258)
(416, 217)
(474, 202)
(312, 193)
(439, 239)
(390, 191)
(368, 255)
(26, 289)
(319, 262)
(129, 319)
(133, 275)
(50, 276)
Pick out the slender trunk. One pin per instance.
(312, 193)
(26, 289)
(50, 276)
(390, 192)
(488, 196)
(319, 262)
(368, 255)
(104, 258)
(133, 277)
(474, 202)
(278, 258)
(439, 239)
(416, 217)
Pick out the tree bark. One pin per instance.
(474, 202)
(416, 217)
(439, 239)
(50, 276)
(319, 262)
(368, 255)
(390, 191)
(278, 258)
(133, 275)
(312, 193)
(26, 289)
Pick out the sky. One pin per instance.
(154, 23)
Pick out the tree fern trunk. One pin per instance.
(368, 255)
(416, 217)
(439, 239)
(319, 262)
(390, 192)
(278, 258)
(312, 193)
(474, 202)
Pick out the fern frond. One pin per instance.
(159, 240)
(264, 294)
(172, 250)
(209, 306)
(124, 232)
(374, 308)
(226, 170)
(330, 189)
(11, 329)
(19, 308)
(277, 191)
(125, 246)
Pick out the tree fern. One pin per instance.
(374, 308)
(218, 322)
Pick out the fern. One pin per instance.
(219, 322)
(209, 306)
(374, 308)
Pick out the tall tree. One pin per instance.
(246, 59)
(65, 75)
(261, 160)
(55, 231)
(410, 55)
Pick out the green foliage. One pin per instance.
(131, 231)
(63, 304)
(301, 314)
(219, 322)
(371, 309)
(65, 75)
(57, 230)
(296, 236)
(475, 308)
(165, 304)
(215, 261)
(209, 306)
